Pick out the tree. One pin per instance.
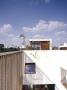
(1, 47)
(28, 47)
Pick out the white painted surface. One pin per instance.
(50, 63)
(39, 39)
(50, 40)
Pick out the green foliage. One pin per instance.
(28, 47)
(9, 49)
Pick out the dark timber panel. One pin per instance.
(45, 45)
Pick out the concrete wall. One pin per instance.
(37, 78)
(11, 71)
(50, 63)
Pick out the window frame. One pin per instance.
(32, 70)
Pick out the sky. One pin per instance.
(33, 18)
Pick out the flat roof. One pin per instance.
(58, 57)
(40, 39)
(64, 45)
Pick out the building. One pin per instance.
(63, 47)
(41, 44)
(33, 70)
(45, 70)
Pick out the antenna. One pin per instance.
(23, 38)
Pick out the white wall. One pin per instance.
(38, 78)
(49, 62)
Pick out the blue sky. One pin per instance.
(33, 18)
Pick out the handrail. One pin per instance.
(12, 52)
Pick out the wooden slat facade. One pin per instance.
(45, 45)
(11, 71)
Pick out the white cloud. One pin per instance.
(38, 36)
(8, 38)
(5, 28)
(56, 25)
(43, 29)
(14, 40)
(38, 2)
(46, 26)
(47, 1)
(48, 29)
(60, 33)
(26, 29)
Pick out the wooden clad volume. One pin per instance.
(11, 71)
(45, 45)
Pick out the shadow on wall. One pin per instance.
(39, 87)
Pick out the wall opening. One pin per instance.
(39, 87)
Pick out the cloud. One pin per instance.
(27, 29)
(48, 29)
(46, 26)
(47, 1)
(38, 36)
(14, 40)
(61, 33)
(7, 37)
(38, 2)
(56, 25)
(5, 28)
(11, 40)
(42, 29)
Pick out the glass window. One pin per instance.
(30, 68)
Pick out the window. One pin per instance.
(30, 68)
(35, 45)
(44, 87)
